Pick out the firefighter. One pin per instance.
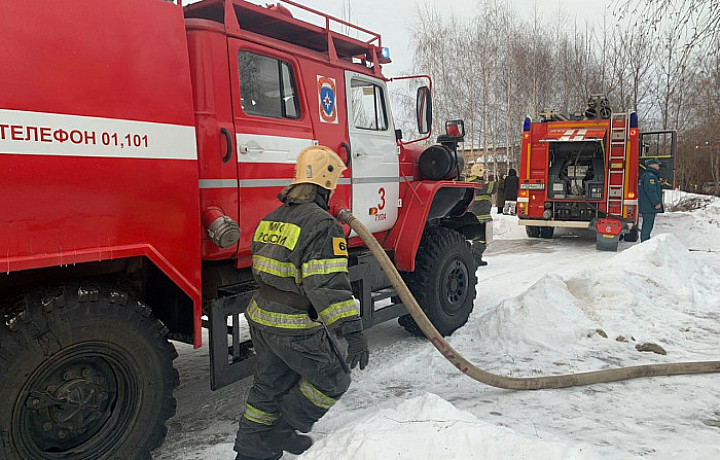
(303, 305)
(649, 197)
(481, 207)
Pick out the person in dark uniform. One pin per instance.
(500, 197)
(303, 306)
(512, 184)
(649, 197)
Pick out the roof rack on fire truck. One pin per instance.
(276, 21)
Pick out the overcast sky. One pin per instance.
(393, 19)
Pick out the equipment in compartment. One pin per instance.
(575, 170)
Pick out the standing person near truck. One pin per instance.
(481, 207)
(512, 184)
(649, 197)
(500, 197)
(304, 303)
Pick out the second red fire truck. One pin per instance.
(581, 171)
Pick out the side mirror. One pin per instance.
(455, 128)
(423, 109)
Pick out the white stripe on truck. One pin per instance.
(42, 133)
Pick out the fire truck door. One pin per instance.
(375, 162)
(271, 129)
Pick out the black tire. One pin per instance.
(443, 282)
(547, 232)
(85, 373)
(632, 235)
(532, 231)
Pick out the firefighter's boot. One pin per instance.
(284, 437)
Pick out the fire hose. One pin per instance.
(499, 381)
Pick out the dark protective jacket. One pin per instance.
(300, 263)
(482, 203)
(650, 192)
(512, 184)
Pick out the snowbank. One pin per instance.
(428, 427)
(644, 292)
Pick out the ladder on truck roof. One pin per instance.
(273, 21)
(617, 164)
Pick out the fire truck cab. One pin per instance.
(580, 172)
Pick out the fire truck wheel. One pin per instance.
(532, 231)
(85, 373)
(443, 282)
(632, 235)
(547, 232)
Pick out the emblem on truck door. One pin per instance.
(326, 95)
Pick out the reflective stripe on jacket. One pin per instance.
(482, 204)
(301, 250)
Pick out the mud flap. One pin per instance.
(230, 358)
(607, 242)
(608, 233)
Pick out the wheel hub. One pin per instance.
(456, 285)
(72, 403)
(75, 403)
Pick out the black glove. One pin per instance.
(357, 350)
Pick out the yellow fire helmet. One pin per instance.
(318, 165)
(477, 170)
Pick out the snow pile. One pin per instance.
(546, 315)
(699, 228)
(428, 427)
(645, 292)
(505, 227)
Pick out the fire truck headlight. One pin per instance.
(547, 214)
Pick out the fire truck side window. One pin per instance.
(267, 86)
(368, 106)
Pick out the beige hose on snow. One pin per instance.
(499, 381)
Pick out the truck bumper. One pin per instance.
(554, 223)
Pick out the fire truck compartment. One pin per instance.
(576, 172)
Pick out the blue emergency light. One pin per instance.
(385, 53)
(526, 124)
(633, 120)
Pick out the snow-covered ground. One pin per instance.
(543, 307)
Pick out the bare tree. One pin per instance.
(657, 57)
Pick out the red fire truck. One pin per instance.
(140, 144)
(581, 171)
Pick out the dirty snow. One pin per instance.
(543, 308)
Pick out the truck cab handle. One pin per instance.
(229, 148)
(346, 146)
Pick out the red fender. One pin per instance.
(405, 236)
